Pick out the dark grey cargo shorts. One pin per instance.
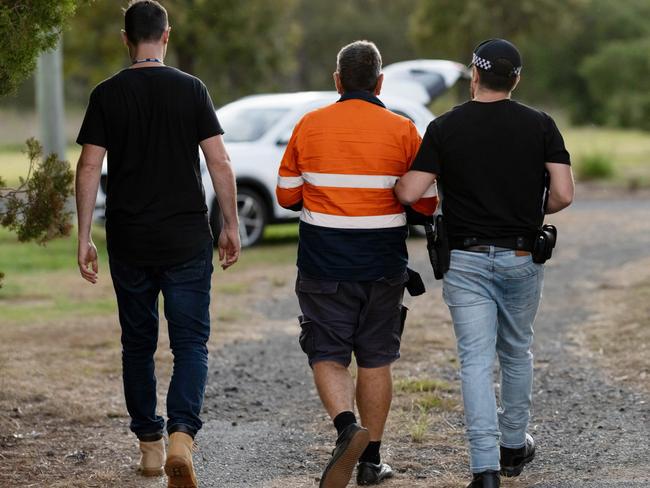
(342, 317)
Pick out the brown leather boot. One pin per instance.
(152, 458)
(179, 467)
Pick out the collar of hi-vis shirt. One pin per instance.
(361, 95)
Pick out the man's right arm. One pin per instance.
(87, 178)
(561, 188)
(290, 181)
(223, 180)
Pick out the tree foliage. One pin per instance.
(452, 28)
(36, 209)
(237, 47)
(326, 26)
(241, 47)
(616, 65)
(28, 27)
(565, 46)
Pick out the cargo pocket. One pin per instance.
(316, 287)
(306, 338)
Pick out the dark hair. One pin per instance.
(495, 82)
(359, 66)
(144, 20)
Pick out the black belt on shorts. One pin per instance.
(514, 243)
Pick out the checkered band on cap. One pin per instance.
(481, 63)
(486, 65)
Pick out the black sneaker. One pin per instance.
(349, 447)
(372, 474)
(514, 460)
(485, 479)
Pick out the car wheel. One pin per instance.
(253, 216)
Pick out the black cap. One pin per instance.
(497, 56)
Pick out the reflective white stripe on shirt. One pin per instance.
(288, 182)
(344, 222)
(350, 181)
(432, 191)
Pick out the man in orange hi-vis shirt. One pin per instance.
(340, 168)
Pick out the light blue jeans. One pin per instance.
(493, 298)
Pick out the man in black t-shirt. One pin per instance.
(501, 166)
(150, 119)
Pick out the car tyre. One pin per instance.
(253, 214)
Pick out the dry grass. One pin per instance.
(62, 417)
(58, 403)
(63, 422)
(424, 435)
(619, 329)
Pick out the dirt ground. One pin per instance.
(63, 423)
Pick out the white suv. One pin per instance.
(258, 129)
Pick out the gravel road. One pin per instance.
(261, 408)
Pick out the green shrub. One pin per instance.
(595, 166)
(617, 76)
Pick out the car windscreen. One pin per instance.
(248, 124)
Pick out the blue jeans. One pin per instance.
(186, 291)
(493, 298)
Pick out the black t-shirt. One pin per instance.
(490, 161)
(151, 121)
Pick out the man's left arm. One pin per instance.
(89, 169)
(558, 166)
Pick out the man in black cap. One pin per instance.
(502, 166)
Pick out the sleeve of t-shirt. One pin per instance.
(92, 129)
(428, 156)
(554, 149)
(207, 125)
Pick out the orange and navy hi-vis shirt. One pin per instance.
(340, 166)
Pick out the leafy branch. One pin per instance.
(37, 210)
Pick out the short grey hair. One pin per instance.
(359, 66)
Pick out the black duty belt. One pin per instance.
(515, 243)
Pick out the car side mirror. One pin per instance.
(283, 140)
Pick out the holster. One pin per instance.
(545, 240)
(415, 285)
(438, 246)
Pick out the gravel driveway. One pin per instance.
(261, 408)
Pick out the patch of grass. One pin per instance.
(267, 254)
(595, 166)
(278, 281)
(415, 385)
(54, 308)
(232, 288)
(432, 401)
(281, 232)
(11, 290)
(14, 162)
(629, 150)
(620, 335)
(59, 254)
(419, 427)
(229, 315)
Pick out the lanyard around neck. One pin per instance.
(146, 60)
